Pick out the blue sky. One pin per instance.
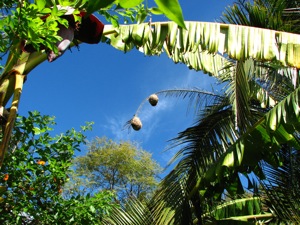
(101, 84)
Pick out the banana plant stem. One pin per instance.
(19, 80)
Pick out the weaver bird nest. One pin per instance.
(136, 123)
(153, 99)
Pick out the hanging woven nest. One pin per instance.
(136, 123)
(153, 99)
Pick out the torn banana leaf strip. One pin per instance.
(235, 41)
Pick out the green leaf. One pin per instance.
(46, 11)
(41, 4)
(155, 11)
(98, 4)
(141, 17)
(54, 11)
(172, 10)
(36, 130)
(129, 3)
(2, 189)
(92, 209)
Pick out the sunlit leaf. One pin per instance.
(172, 9)
(156, 11)
(129, 3)
(95, 5)
(92, 209)
(41, 4)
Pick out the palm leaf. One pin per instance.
(133, 213)
(197, 98)
(282, 186)
(214, 131)
(240, 93)
(275, 15)
(172, 202)
(270, 133)
(208, 164)
(253, 84)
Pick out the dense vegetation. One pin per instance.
(251, 132)
(34, 174)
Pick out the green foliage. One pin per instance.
(262, 14)
(135, 10)
(282, 186)
(98, 4)
(258, 116)
(128, 4)
(121, 167)
(34, 173)
(172, 10)
(83, 209)
(243, 206)
(37, 22)
(116, 14)
(245, 210)
(136, 212)
(230, 138)
(30, 23)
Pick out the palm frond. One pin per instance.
(213, 154)
(269, 75)
(170, 204)
(134, 213)
(174, 202)
(240, 93)
(214, 151)
(270, 133)
(282, 186)
(213, 130)
(236, 14)
(268, 14)
(197, 98)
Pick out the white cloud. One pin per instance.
(115, 125)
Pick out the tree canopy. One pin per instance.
(121, 167)
(34, 174)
